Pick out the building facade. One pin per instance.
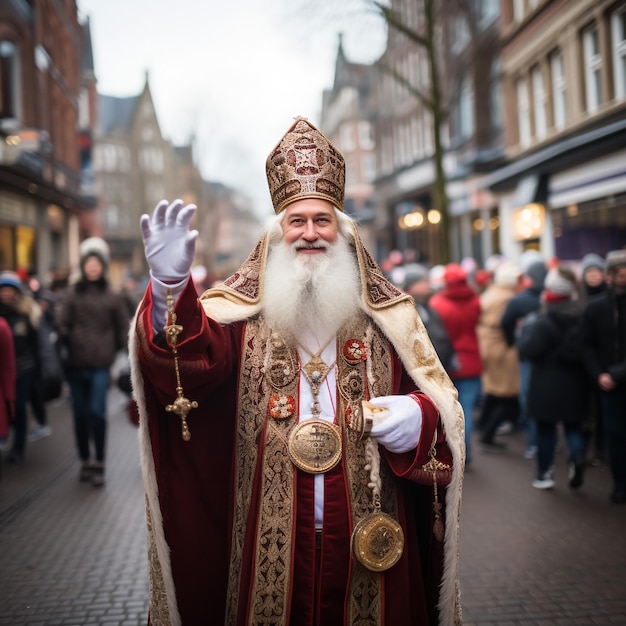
(347, 119)
(562, 188)
(41, 197)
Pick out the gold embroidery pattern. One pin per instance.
(245, 280)
(271, 572)
(159, 607)
(365, 597)
(272, 568)
(249, 424)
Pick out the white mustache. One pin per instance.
(314, 245)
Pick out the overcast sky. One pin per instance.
(235, 72)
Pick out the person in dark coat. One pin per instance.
(558, 391)
(592, 276)
(23, 316)
(604, 333)
(94, 326)
(592, 284)
(417, 284)
(522, 305)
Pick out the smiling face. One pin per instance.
(309, 224)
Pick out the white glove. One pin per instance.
(400, 428)
(169, 244)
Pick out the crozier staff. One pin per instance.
(302, 445)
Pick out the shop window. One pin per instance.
(7, 248)
(25, 239)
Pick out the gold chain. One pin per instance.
(181, 406)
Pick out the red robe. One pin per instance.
(196, 486)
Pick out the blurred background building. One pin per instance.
(490, 126)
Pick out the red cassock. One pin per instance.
(196, 491)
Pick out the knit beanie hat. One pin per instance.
(435, 275)
(95, 246)
(10, 279)
(537, 271)
(528, 258)
(615, 259)
(507, 274)
(590, 261)
(414, 273)
(561, 281)
(454, 274)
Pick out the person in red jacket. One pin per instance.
(7, 379)
(458, 306)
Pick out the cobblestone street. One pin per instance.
(75, 555)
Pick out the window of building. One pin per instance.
(368, 167)
(352, 172)
(366, 139)
(466, 108)
(539, 102)
(460, 34)
(346, 137)
(593, 67)
(9, 80)
(109, 157)
(523, 112)
(488, 11)
(559, 91)
(386, 154)
(429, 139)
(618, 35)
(495, 96)
(518, 10)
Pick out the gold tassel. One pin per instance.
(434, 466)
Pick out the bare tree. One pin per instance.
(432, 100)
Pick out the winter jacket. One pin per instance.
(517, 308)
(23, 317)
(438, 335)
(559, 389)
(604, 336)
(93, 324)
(7, 375)
(459, 309)
(500, 360)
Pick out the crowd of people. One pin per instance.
(59, 341)
(537, 346)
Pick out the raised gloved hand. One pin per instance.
(169, 244)
(399, 428)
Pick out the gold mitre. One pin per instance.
(305, 164)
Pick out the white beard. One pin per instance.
(314, 293)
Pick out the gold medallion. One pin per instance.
(377, 542)
(315, 446)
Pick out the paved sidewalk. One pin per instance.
(71, 554)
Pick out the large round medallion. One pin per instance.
(377, 542)
(315, 446)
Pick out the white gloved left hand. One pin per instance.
(398, 430)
